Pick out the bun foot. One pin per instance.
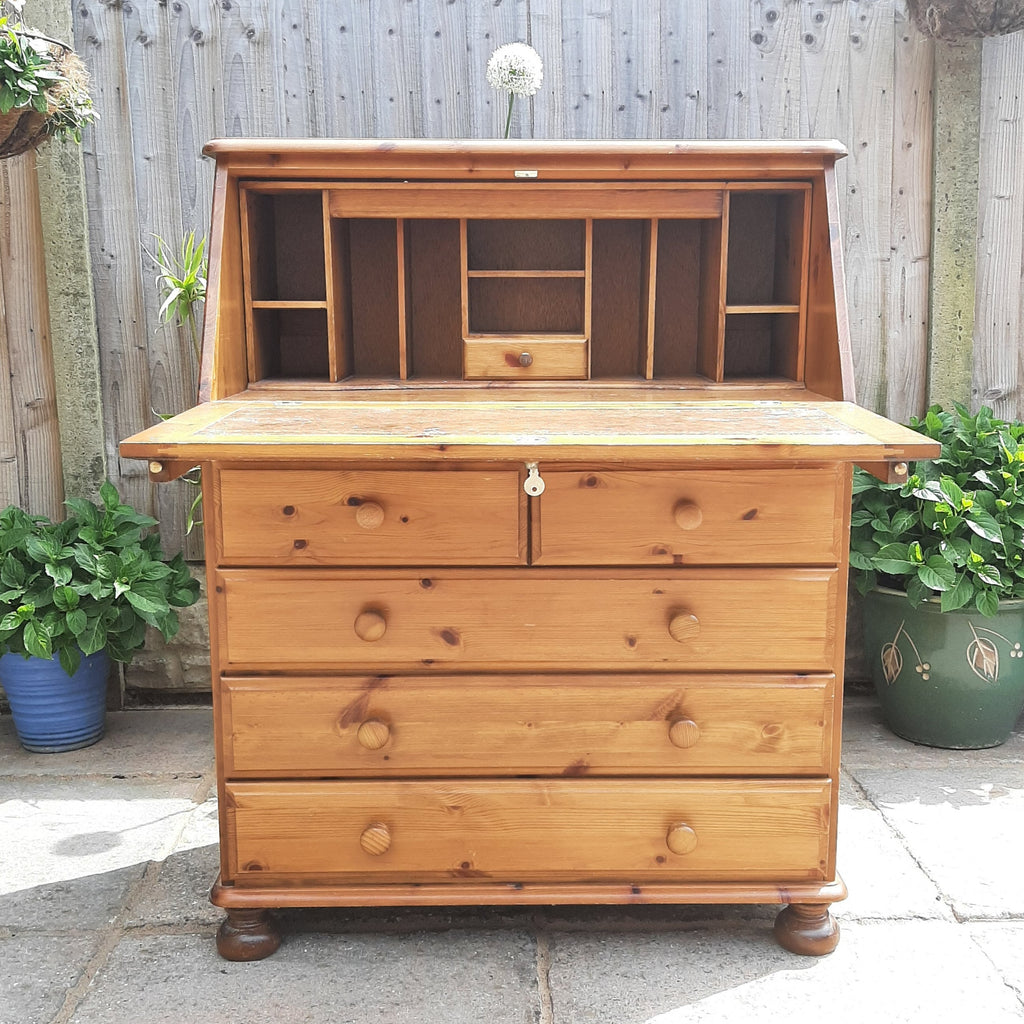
(807, 928)
(247, 935)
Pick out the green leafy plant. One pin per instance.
(95, 580)
(182, 284)
(955, 530)
(42, 76)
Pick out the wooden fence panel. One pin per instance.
(168, 76)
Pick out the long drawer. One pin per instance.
(379, 517)
(525, 830)
(521, 725)
(714, 619)
(701, 517)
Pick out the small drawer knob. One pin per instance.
(370, 626)
(684, 732)
(525, 359)
(370, 515)
(376, 839)
(373, 734)
(681, 839)
(688, 515)
(684, 626)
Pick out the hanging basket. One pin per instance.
(24, 128)
(952, 20)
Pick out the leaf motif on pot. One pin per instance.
(892, 659)
(983, 657)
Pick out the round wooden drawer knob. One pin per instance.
(683, 732)
(370, 626)
(681, 839)
(684, 626)
(376, 839)
(688, 515)
(370, 515)
(373, 734)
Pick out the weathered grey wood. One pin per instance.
(445, 76)
(249, 87)
(25, 332)
(907, 310)
(395, 48)
(114, 237)
(869, 188)
(998, 320)
(10, 489)
(489, 26)
(777, 38)
(683, 82)
(731, 112)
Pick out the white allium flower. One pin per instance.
(516, 67)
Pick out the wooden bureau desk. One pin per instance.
(526, 477)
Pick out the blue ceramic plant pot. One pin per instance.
(53, 711)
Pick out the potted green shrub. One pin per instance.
(73, 596)
(940, 560)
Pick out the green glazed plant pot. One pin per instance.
(945, 679)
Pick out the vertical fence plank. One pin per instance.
(445, 85)
(349, 87)
(683, 71)
(26, 330)
(731, 112)
(588, 50)
(489, 26)
(998, 319)
(869, 188)
(394, 41)
(109, 158)
(907, 319)
(10, 488)
(248, 83)
(776, 57)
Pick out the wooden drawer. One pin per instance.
(380, 517)
(527, 829)
(522, 725)
(708, 517)
(525, 358)
(690, 619)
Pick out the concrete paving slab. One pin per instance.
(867, 742)
(136, 743)
(964, 826)
(883, 878)
(37, 972)
(1003, 944)
(88, 842)
(449, 977)
(893, 972)
(178, 892)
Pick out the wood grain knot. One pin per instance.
(681, 839)
(376, 839)
(288, 510)
(373, 734)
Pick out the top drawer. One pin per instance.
(370, 517)
(698, 517)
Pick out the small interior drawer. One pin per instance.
(379, 517)
(520, 725)
(697, 517)
(525, 358)
(528, 829)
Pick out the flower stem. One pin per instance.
(508, 120)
